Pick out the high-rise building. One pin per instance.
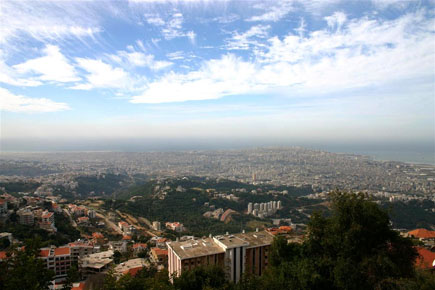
(237, 254)
(250, 208)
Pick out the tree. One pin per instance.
(355, 248)
(23, 269)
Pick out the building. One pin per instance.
(26, 217)
(250, 208)
(175, 226)
(157, 226)
(95, 263)
(139, 247)
(58, 260)
(81, 249)
(237, 254)
(422, 234)
(158, 255)
(130, 267)
(426, 259)
(3, 207)
(47, 221)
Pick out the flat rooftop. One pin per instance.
(218, 244)
(97, 260)
(130, 264)
(256, 239)
(195, 248)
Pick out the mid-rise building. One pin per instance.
(3, 207)
(157, 226)
(237, 254)
(95, 263)
(26, 217)
(58, 260)
(81, 249)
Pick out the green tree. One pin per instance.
(23, 269)
(355, 248)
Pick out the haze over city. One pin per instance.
(176, 75)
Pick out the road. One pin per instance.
(110, 224)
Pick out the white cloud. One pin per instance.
(53, 66)
(273, 12)
(336, 20)
(139, 59)
(101, 75)
(46, 20)
(363, 52)
(244, 41)
(154, 19)
(216, 78)
(18, 103)
(174, 28)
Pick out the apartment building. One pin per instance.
(58, 260)
(95, 263)
(26, 216)
(81, 249)
(237, 254)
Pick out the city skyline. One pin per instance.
(249, 72)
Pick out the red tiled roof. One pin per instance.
(139, 245)
(162, 240)
(422, 234)
(80, 286)
(2, 201)
(132, 271)
(44, 253)
(426, 259)
(97, 235)
(47, 215)
(126, 237)
(3, 255)
(62, 251)
(159, 252)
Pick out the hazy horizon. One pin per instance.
(160, 74)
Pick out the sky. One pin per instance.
(247, 72)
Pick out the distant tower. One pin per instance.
(279, 204)
(250, 208)
(254, 177)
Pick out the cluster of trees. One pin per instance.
(65, 231)
(353, 248)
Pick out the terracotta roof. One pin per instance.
(162, 240)
(159, 252)
(2, 201)
(47, 215)
(422, 234)
(97, 235)
(78, 286)
(62, 251)
(44, 253)
(126, 237)
(426, 259)
(140, 245)
(3, 255)
(132, 271)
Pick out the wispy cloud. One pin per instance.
(53, 66)
(346, 54)
(274, 11)
(101, 75)
(247, 39)
(47, 20)
(18, 103)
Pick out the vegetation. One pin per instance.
(24, 270)
(353, 248)
(65, 232)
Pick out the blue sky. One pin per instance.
(277, 70)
